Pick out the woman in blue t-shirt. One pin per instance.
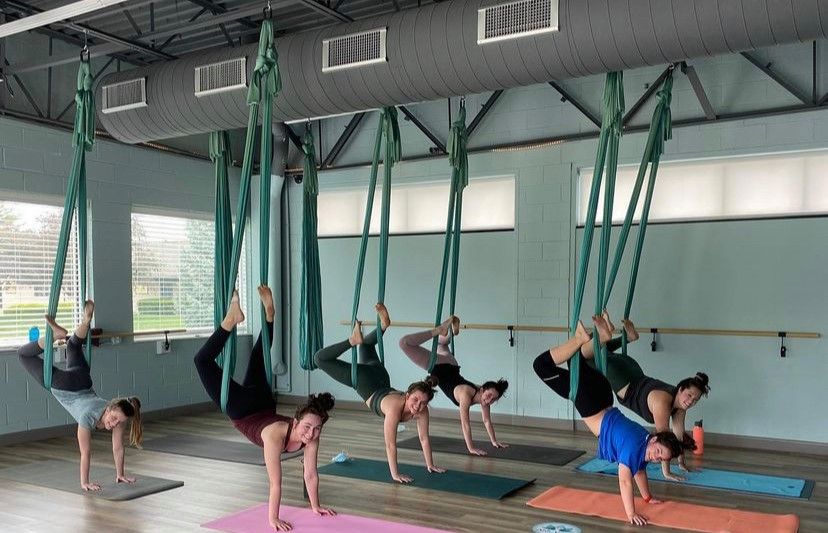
(72, 388)
(619, 439)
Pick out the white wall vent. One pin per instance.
(516, 19)
(130, 94)
(354, 50)
(220, 77)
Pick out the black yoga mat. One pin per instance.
(207, 448)
(63, 475)
(515, 452)
(456, 481)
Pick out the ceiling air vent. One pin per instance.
(221, 77)
(124, 95)
(354, 50)
(516, 19)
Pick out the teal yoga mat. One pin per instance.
(456, 481)
(784, 487)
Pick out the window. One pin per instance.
(791, 184)
(488, 204)
(172, 273)
(28, 242)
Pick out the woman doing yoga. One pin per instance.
(252, 409)
(374, 387)
(619, 439)
(72, 388)
(461, 392)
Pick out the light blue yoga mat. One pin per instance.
(785, 487)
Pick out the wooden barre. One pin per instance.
(563, 329)
(107, 335)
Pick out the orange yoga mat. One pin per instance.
(677, 515)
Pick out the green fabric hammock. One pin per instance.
(459, 160)
(310, 296)
(83, 138)
(265, 84)
(389, 129)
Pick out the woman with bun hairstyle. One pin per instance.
(655, 401)
(252, 410)
(462, 392)
(72, 388)
(374, 387)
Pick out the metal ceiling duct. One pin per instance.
(433, 52)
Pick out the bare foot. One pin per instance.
(58, 332)
(632, 333)
(606, 317)
(604, 333)
(582, 334)
(443, 329)
(455, 325)
(356, 336)
(234, 315)
(88, 311)
(385, 320)
(266, 296)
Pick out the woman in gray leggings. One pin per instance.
(72, 388)
(459, 390)
(374, 387)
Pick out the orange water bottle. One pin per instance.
(698, 436)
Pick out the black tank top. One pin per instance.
(635, 398)
(449, 378)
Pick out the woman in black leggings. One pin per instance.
(252, 409)
(72, 388)
(619, 439)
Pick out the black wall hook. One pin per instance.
(511, 335)
(783, 350)
(654, 343)
(166, 340)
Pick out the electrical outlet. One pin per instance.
(162, 347)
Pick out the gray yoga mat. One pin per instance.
(63, 475)
(515, 452)
(207, 448)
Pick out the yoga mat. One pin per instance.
(786, 487)
(515, 452)
(207, 448)
(677, 515)
(457, 481)
(63, 475)
(255, 520)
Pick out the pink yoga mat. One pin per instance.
(254, 520)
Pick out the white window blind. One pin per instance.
(791, 184)
(172, 273)
(28, 243)
(488, 204)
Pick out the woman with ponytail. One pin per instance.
(655, 401)
(252, 410)
(72, 388)
(374, 387)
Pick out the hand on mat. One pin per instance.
(94, 487)
(684, 467)
(655, 501)
(324, 511)
(638, 520)
(674, 477)
(436, 470)
(402, 478)
(477, 451)
(280, 525)
(499, 445)
(124, 479)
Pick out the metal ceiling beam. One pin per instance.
(478, 118)
(343, 139)
(578, 105)
(297, 142)
(216, 9)
(26, 93)
(132, 22)
(422, 127)
(766, 68)
(325, 10)
(82, 28)
(698, 88)
(645, 97)
(94, 77)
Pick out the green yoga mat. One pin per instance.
(63, 475)
(515, 452)
(207, 448)
(456, 481)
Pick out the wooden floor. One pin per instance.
(213, 488)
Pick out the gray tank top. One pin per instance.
(636, 397)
